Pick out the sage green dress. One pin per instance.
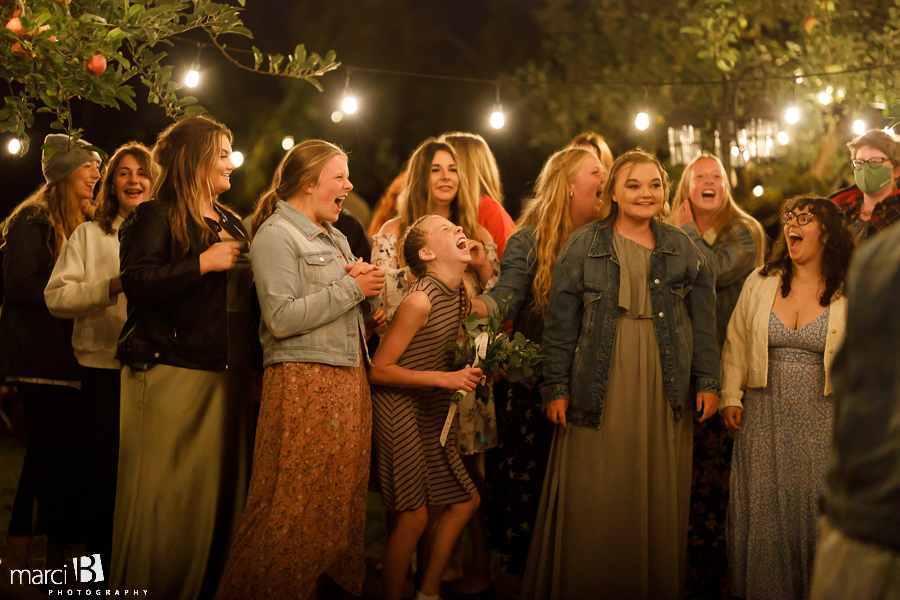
(613, 517)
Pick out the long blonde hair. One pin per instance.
(107, 200)
(301, 167)
(477, 163)
(419, 201)
(595, 141)
(727, 215)
(548, 213)
(185, 151)
(64, 210)
(629, 159)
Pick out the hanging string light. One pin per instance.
(192, 78)
(237, 158)
(498, 120)
(349, 104)
(288, 142)
(642, 120)
(14, 146)
(859, 127)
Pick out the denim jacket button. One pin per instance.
(668, 352)
(656, 281)
(672, 380)
(661, 315)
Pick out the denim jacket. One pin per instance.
(310, 305)
(517, 272)
(581, 321)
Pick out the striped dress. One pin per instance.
(411, 467)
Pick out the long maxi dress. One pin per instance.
(614, 509)
(778, 470)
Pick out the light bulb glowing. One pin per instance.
(799, 80)
(337, 116)
(192, 78)
(735, 151)
(237, 158)
(349, 105)
(746, 155)
(783, 138)
(841, 93)
(824, 98)
(288, 142)
(642, 121)
(497, 119)
(792, 115)
(758, 191)
(859, 127)
(14, 146)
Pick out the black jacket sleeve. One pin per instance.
(150, 273)
(28, 261)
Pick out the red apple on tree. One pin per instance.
(96, 65)
(15, 26)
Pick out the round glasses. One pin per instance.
(802, 218)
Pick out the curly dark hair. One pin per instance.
(836, 239)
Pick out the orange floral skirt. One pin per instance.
(306, 508)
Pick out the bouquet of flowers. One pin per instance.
(488, 347)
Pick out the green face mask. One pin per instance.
(872, 178)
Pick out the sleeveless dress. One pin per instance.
(411, 468)
(778, 470)
(613, 517)
(476, 421)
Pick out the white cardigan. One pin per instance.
(745, 357)
(79, 289)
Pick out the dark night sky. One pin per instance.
(464, 38)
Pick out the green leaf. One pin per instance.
(257, 58)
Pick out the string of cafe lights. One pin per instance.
(350, 104)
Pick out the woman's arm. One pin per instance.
(286, 310)
(24, 273)
(733, 255)
(412, 316)
(735, 367)
(562, 323)
(149, 275)
(69, 295)
(516, 277)
(701, 306)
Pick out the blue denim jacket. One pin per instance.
(862, 496)
(311, 307)
(581, 321)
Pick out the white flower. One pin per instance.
(481, 344)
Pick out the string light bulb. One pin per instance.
(192, 78)
(758, 191)
(237, 158)
(288, 142)
(498, 119)
(859, 127)
(792, 115)
(14, 146)
(349, 105)
(642, 120)
(783, 138)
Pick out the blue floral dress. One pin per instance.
(778, 470)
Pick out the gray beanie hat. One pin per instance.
(66, 157)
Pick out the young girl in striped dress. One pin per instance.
(413, 386)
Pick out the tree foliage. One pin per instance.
(718, 54)
(45, 61)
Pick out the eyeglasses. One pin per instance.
(802, 218)
(875, 161)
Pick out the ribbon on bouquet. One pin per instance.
(481, 344)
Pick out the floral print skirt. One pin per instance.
(306, 509)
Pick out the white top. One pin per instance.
(79, 289)
(745, 357)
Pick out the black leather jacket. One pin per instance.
(175, 316)
(33, 343)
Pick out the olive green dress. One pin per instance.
(613, 517)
